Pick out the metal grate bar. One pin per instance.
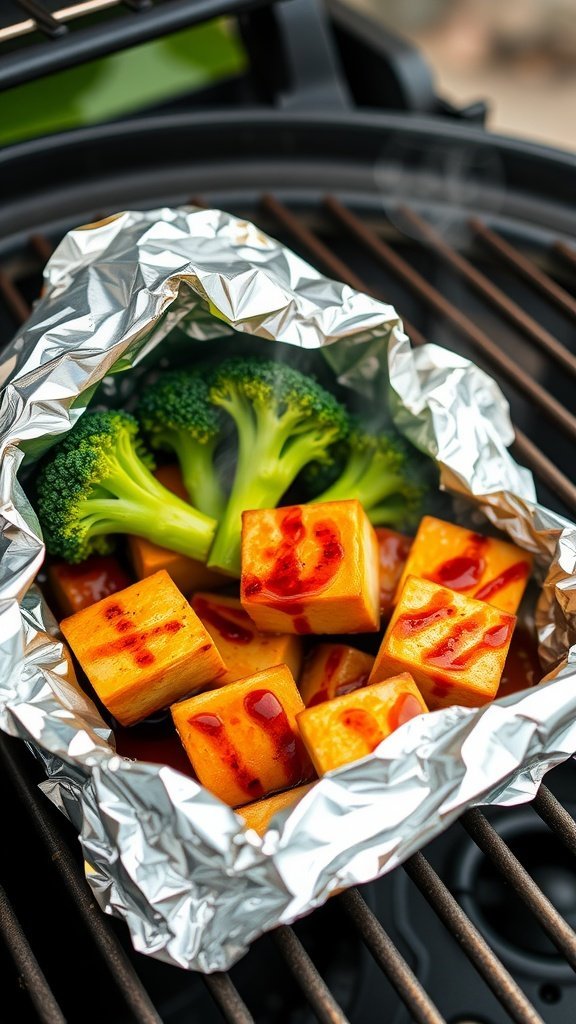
(78, 10)
(43, 19)
(535, 459)
(566, 252)
(556, 412)
(387, 956)
(42, 247)
(109, 945)
(530, 454)
(32, 976)
(475, 947)
(556, 817)
(543, 467)
(524, 266)
(228, 998)
(312, 984)
(489, 291)
(13, 298)
(332, 263)
(494, 847)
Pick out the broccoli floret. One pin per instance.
(97, 481)
(379, 470)
(176, 415)
(284, 420)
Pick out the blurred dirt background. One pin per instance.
(520, 55)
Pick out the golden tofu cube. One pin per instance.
(259, 814)
(143, 648)
(148, 558)
(331, 670)
(350, 727)
(486, 568)
(243, 648)
(311, 569)
(393, 548)
(78, 586)
(242, 739)
(454, 646)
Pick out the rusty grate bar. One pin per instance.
(43, 18)
(533, 457)
(228, 998)
(555, 411)
(556, 817)
(524, 266)
(475, 947)
(544, 468)
(491, 293)
(414, 996)
(310, 981)
(326, 257)
(13, 298)
(566, 252)
(494, 847)
(31, 976)
(42, 247)
(128, 982)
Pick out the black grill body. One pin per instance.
(471, 237)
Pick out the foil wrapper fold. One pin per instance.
(194, 886)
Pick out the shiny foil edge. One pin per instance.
(195, 887)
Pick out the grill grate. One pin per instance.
(322, 1001)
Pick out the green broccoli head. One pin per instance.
(284, 420)
(176, 415)
(97, 482)
(381, 471)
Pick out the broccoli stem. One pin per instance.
(206, 493)
(198, 474)
(270, 444)
(368, 487)
(140, 505)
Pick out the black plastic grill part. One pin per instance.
(235, 1006)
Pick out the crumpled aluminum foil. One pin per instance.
(193, 885)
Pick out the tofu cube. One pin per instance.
(78, 586)
(454, 646)
(242, 739)
(393, 549)
(311, 569)
(350, 727)
(486, 568)
(331, 670)
(147, 558)
(259, 814)
(243, 648)
(143, 648)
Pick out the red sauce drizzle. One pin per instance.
(135, 643)
(466, 570)
(287, 583)
(265, 709)
(413, 622)
(514, 573)
(218, 616)
(113, 611)
(448, 654)
(213, 727)
(405, 707)
(364, 724)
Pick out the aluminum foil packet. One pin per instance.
(194, 886)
